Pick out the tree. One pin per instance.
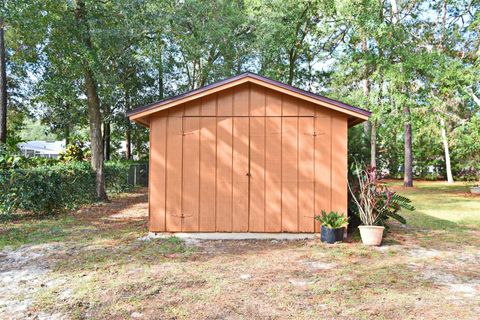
(93, 100)
(413, 64)
(292, 36)
(408, 155)
(204, 42)
(3, 85)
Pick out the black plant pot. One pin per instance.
(331, 235)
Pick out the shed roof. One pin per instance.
(141, 114)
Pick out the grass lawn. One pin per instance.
(451, 205)
(92, 263)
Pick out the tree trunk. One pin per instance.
(66, 134)
(443, 130)
(368, 126)
(161, 87)
(393, 4)
(373, 145)
(96, 139)
(107, 130)
(408, 161)
(3, 86)
(93, 101)
(444, 22)
(128, 128)
(128, 145)
(447, 151)
(106, 139)
(291, 71)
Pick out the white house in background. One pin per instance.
(122, 151)
(43, 149)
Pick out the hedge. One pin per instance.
(51, 189)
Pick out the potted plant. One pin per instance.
(375, 204)
(333, 226)
(471, 177)
(474, 185)
(475, 189)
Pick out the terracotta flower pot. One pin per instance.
(371, 235)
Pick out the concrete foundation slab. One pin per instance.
(234, 236)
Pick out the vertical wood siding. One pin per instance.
(247, 159)
(191, 173)
(240, 196)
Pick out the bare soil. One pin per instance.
(103, 268)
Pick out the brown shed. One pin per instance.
(246, 154)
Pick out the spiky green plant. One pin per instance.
(332, 220)
(391, 207)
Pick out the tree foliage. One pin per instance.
(412, 63)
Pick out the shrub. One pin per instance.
(46, 189)
(73, 152)
(49, 189)
(433, 176)
(116, 176)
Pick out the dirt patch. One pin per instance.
(454, 271)
(121, 211)
(24, 272)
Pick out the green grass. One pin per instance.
(34, 231)
(440, 205)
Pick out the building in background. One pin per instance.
(43, 149)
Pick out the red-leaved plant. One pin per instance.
(375, 202)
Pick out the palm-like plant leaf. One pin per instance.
(333, 220)
(397, 217)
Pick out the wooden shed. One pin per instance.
(246, 154)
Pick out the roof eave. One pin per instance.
(141, 114)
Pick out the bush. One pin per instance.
(73, 152)
(49, 189)
(433, 176)
(116, 176)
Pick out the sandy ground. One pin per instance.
(120, 275)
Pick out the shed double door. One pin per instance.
(240, 174)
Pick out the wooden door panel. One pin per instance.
(173, 217)
(157, 173)
(257, 174)
(289, 174)
(323, 159)
(224, 174)
(306, 195)
(209, 160)
(339, 163)
(240, 177)
(207, 173)
(191, 173)
(273, 174)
